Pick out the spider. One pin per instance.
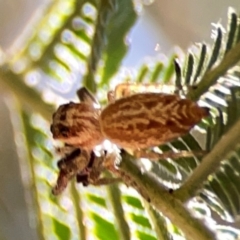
(133, 121)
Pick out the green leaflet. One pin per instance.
(62, 230)
(120, 23)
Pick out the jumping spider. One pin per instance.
(133, 121)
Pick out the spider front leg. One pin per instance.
(91, 175)
(70, 165)
(62, 182)
(92, 172)
(74, 162)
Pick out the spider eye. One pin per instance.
(64, 130)
(63, 117)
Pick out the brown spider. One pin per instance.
(134, 122)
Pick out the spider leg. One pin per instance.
(92, 172)
(127, 89)
(154, 156)
(85, 95)
(83, 178)
(73, 163)
(106, 181)
(91, 160)
(65, 150)
(111, 96)
(62, 182)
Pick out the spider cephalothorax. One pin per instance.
(77, 125)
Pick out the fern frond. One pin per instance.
(90, 34)
(213, 71)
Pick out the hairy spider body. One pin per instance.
(77, 124)
(139, 121)
(149, 119)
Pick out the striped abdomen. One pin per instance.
(149, 119)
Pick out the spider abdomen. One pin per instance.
(149, 119)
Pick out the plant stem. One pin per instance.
(210, 77)
(210, 163)
(27, 161)
(79, 213)
(165, 202)
(158, 222)
(114, 196)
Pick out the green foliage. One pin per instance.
(61, 230)
(104, 229)
(91, 34)
(117, 30)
